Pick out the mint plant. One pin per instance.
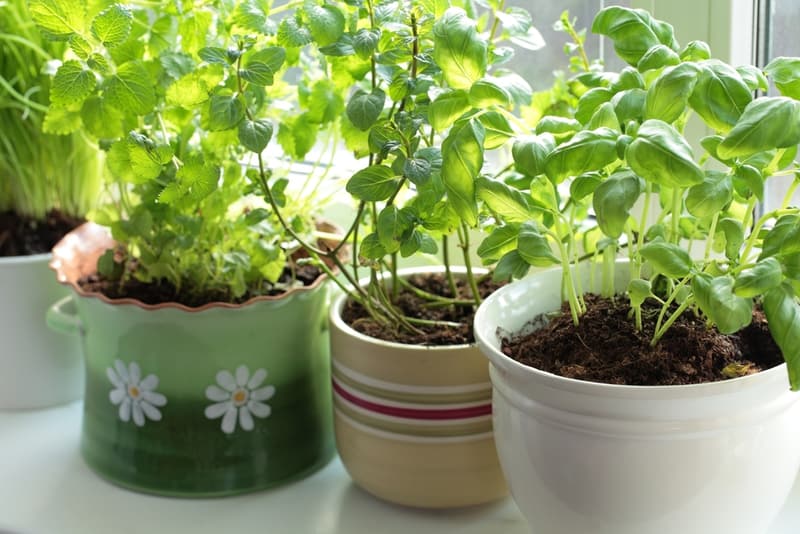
(426, 98)
(182, 96)
(625, 146)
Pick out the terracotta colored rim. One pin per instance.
(76, 255)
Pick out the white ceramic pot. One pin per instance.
(38, 367)
(590, 458)
(413, 423)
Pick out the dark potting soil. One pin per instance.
(410, 305)
(23, 236)
(606, 347)
(161, 292)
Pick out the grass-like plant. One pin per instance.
(39, 170)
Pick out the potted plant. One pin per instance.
(427, 97)
(47, 184)
(203, 326)
(627, 437)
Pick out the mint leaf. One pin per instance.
(101, 119)
(212, 54)
(194, 29)
(61, 121)
(72, 84)
(194, 88)
(112, 25)
(131, 89)
(224, 112)
(255, 135)
(363, 109)
(80, 46)
(326, 23)
(365, 41)
(59, 19)
(373, 184)
(260, 68)
(291, 34)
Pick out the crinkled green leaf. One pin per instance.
(58, 18)
(131, 89)
(364, 108)
(72, 84)
(112, 25)
(255, 134)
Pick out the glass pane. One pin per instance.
(537, 67)
(781, 31)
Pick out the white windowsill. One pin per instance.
(45, 488)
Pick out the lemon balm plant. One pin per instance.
(681, 362)
(205, 350)
(179, 97)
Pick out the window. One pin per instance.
(777, 30)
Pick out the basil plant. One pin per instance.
(185, 97)
(688, 214)
(427, 97)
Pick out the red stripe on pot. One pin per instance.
(432, 414)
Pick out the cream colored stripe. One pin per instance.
(410, 438)
(362, 379)
(410, 405)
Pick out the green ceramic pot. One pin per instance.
(203, 402)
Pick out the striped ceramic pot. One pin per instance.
(413, 423)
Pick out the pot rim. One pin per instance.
(73, 246)
(585, 387)
(338, 304)
(27, 258)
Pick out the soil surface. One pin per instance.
(411, 305)
(23, 236)
(606, 347)
(159, 293)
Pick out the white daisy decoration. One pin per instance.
(135, 396)
(239, 398)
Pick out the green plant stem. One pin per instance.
(578, 42)
(753, 237)
(438, 299)
(648, 195)
(568, 285)
(451, 281)
(677, 205)
(710, 239)
(672, 318)
(665, 307)
(464, 239)
(496, 21)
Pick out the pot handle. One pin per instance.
(62, 317)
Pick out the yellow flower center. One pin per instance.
(239, 397)
(134, 392)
